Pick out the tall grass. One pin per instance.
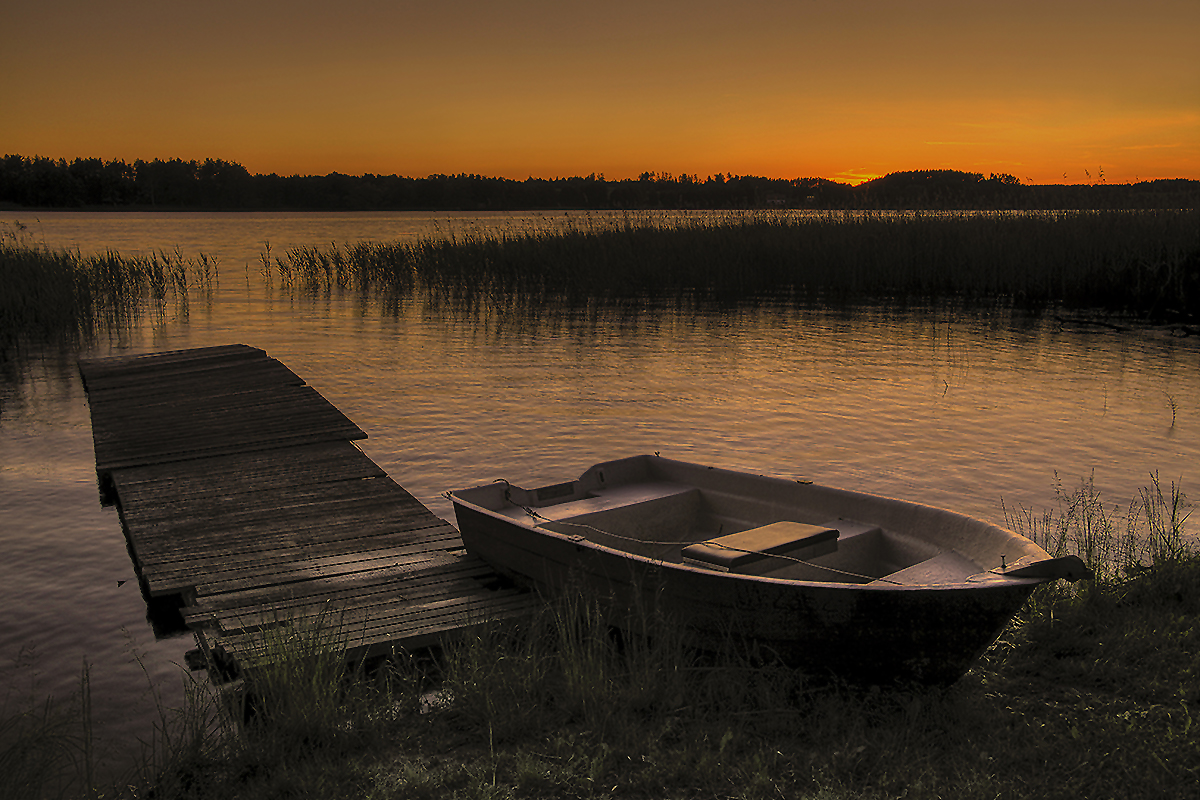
(567, 665)
(46, 745)
(1112, 541)
(1137, 262)
(292, 690)
(60, 295)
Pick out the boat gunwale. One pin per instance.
(987, 579)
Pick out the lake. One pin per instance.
(972, 411)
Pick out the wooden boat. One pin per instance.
(832, 581)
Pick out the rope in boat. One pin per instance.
(537, 516)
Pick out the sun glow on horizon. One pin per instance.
(783, 90)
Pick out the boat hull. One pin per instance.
(878, 631)
(921, 635)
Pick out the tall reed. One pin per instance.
(1165, 515)
(63, 295)
(1136, 262)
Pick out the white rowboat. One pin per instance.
(828, 580)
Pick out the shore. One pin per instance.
(1091, 691)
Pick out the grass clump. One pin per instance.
(1114, 544)
(46, 745)
(63, 296)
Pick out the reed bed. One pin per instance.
(1144, 262)
(1089, 692)
(63, 296)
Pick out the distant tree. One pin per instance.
(102, 183)
(214, 183)
(167, 183)
(223, 184)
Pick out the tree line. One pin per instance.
(214, 184)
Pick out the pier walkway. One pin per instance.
(241, 493)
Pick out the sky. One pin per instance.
(1055, 91)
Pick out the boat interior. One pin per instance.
(731, 532)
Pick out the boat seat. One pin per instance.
(618, 498)
(948, 567)
(739, 552)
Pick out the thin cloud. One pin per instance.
(1151, 146)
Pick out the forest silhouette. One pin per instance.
(213, 184)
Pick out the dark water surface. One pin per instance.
(966, 411)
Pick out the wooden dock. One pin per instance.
(240, 492)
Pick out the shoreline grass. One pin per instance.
(1091, 691)
(1111, 542)
(1145, 264)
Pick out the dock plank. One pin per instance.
(425, 625)
(351, 582)
(180, 579)
(255, 608)
(307, 525)
(196, 358)
(205, 479)
(222, 565)
(258, 573)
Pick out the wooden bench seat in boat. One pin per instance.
(738, 552)
(947, 567)
(615, 499)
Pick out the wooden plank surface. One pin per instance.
(186, 404)
(426, 625)
(239, 490)
(131, 367)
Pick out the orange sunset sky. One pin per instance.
(805, 88)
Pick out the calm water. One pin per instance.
(962, 411)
